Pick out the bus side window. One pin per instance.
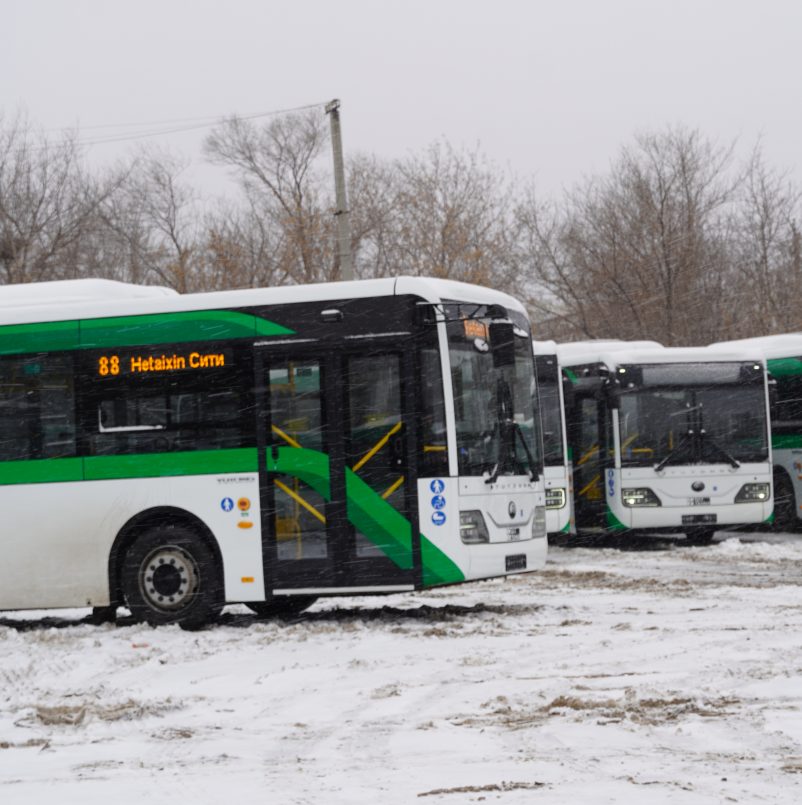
(434, 455)
(37, 407)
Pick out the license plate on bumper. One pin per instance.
(698, 519)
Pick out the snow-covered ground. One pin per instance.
(614, 676)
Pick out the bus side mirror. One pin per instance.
(502, 343)
(569, 397)
(613, 393)
(773, 397)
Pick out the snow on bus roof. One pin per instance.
(65, 300)
(788, 345)
(544, 347)
(645, 352)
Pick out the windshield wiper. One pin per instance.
(731, 460)
(661, 466)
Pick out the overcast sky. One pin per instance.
(551, 89)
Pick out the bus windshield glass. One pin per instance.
(481, 392)
(548, 379)
(692, 414)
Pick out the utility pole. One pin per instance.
(343, 227)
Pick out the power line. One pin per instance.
(168, 127)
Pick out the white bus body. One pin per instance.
(178, 452)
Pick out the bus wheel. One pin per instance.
(284, 606)
(700, 536)
(784, 504)
(170, 576)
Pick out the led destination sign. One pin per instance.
(110, 365)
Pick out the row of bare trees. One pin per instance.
(677, 242)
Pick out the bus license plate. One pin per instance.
(698, 501)
(513, 534)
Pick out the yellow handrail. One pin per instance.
(588, 455)
(299, 499)
(376, 449)
(589, 485)
(285, 437)
(393, 488)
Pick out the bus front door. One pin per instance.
(334, 470)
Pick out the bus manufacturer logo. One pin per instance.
(227, 504)
(512, 508)
(438, 502)
(438, 518)
(437, 486)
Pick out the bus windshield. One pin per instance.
(480, 389)
(663, 420)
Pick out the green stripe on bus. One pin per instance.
(135, 331)
(786, 442)
(388, 530)
(154, 465)
(42, 471)
(613, 523)
(385, 527)
(47, 337)
(785, 367)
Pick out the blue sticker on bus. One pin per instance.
(438, 502)
(437, 486)
(227, 505)
(438, 518)
(611, 482)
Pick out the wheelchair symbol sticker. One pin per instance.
(437, 486)
(438, 502)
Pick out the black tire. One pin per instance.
(700, 536)
(785, 518)
(170, 575)
(284, 606)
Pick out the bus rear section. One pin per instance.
(551, 386)
(669, 440)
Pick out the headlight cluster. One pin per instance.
(753, 493)
(555, 498)
(472, 528)
(642, 496)
(539, 526)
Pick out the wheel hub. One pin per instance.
(168, 579)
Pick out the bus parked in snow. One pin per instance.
(176, 453)
(668, 440)
(556, 452)
(783, 354)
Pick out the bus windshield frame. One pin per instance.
(692, 414)
(482, 390)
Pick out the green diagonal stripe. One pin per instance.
(379, 521)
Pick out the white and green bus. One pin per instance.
(668, 440)
(175, 453)
(783, 354)
(556, 451)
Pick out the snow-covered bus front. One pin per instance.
(671, 440)
(175, 453)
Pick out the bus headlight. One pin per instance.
(753, 493)
(643, 496)
(555, 498)
(472, 528)
(539, 526)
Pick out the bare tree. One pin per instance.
(276, 167)
(766, 245)
(49, 204)
(640, 252)
(454, 218)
